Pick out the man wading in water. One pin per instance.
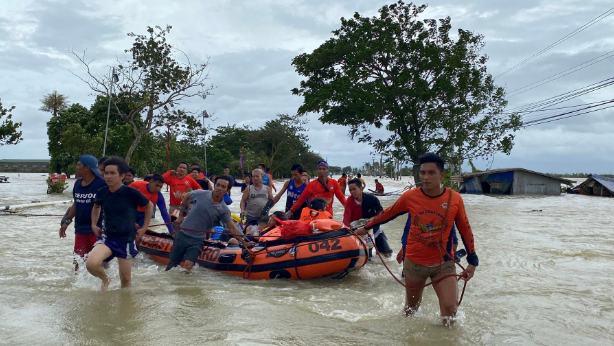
(432, 212)
(207, 211)
(84, 193)
(295, 187)
(119, 205)
(255, 197)
(180, 184)
(323, 187)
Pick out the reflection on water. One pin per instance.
(544, 278)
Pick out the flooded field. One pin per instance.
(545, 278)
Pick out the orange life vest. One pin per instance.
(308, 215)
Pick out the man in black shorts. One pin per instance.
(208, 210)
(119, 205)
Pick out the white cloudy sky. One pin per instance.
(251, 44)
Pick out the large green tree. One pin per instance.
(432, 92)
(54, 103)
(153, 82)
(9, 130)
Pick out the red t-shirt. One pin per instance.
(315, 189)
(141, 185)
(179, 186)
(379, 188)
(426, 221)
(342, 182)
(353, 211)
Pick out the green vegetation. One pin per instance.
(77, 130)
(150, 87)
(56, 187)
(9, 133)
(54, 103)
(431, 91)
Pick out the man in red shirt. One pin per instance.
(427, 239)
(180, 184)
(324, 187)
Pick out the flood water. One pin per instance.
(545, 278)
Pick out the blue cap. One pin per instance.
(91, 162)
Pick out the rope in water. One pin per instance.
(434, 282)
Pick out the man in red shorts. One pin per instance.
(427, 240)
(84, 193)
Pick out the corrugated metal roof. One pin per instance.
(608, 183)
(501, 170)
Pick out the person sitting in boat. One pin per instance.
(207, 211)
(362, 205)
(254, 230)
(379, 188)
(272, 230)
(315, 210)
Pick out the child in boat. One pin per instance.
(271, 231)
(254, 230)
(315, 210)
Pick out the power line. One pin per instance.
(566, 113)
(565, 107)
(559, 41)
(563, 97)
(552, 78)
(537, 106)
(569, 116)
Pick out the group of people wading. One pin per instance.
(111, 211)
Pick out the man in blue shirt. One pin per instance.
(84, 193)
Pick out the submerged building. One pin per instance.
(511, 181)
(596, 185)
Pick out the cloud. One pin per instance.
(251, 45)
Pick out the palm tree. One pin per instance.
(54, 103)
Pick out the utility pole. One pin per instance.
(205, 115)
(113, 78)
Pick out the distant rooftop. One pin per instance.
(501, 170)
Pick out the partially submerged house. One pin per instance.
(511, 181)
(596, 185)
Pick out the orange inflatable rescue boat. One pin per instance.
(330, 251)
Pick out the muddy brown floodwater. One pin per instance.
(545, 278)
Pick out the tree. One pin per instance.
(153, 83)
(280, 140)
(334, 170)
(54, 103)
(9, 133)
(347, 169)
(431, 92)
